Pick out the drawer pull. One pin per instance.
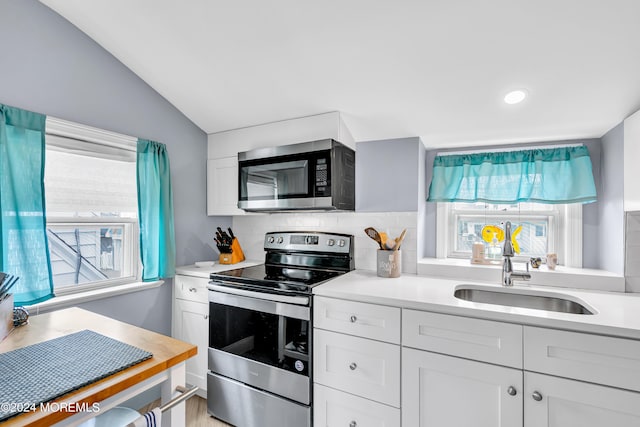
(353, 319)
(353, 424)
(536, 396)
(206, 316)
(353, 366)
(511, 391)
(193, 290)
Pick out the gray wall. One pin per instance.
(387, 175)
(590, 219)
(611, 201)
(49, 66)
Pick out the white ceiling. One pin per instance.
(437, 69)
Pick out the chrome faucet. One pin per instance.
(507, 266)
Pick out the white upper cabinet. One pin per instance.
(223, 149)
(303, 129)
(222, 186)
(630, 168)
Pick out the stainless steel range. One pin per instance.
(260, 330)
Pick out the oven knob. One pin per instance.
(280, 239)
(271, 239)
(341, 243)
(331, 242)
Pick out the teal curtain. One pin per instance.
(24, 250)
(155, 211)
(552, 175)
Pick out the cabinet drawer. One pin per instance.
(334, 408)
(373, 321)
(367, 368)
(593, 358)
(483, 340)
(191, 288)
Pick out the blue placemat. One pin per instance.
(42, 372)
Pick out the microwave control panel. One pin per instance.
(322, 177)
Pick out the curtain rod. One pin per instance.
(500, 150)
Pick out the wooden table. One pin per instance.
(166, 367)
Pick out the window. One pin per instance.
(91, 206)
(545, 229)
(540, 190)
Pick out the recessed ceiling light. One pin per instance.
(515, 96)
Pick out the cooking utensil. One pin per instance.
(399, 240)
(383, 239)
(373, 233)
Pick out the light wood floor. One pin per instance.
(196, 413)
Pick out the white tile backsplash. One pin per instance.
(250, 231)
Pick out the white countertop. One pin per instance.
(216, 267)
(617, 314)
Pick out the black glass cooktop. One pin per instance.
(279, 279)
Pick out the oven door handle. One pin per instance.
(297, 300)
(258, 301)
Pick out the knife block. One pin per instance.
(235, 256)
(6, 316)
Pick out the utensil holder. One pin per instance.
(389, 263)
(6, 316)
(235, 256)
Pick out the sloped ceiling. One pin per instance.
(437, 69)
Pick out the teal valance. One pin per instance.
(551, 175)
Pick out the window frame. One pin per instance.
(131, 258)
(566, 241)
(67, 132)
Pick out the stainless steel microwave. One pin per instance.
(316, 175)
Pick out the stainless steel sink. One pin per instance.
(523, 299)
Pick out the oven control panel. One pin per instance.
(309, 241)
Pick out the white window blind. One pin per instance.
(87, 176)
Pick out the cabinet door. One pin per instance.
(569, 403)
(334, 408)
(222, 186)
(191, 324)
(439, 390)
(360, 366)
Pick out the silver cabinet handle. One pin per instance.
(353, 424)
(511, 391)
(206, 316)
(353, 366)
(353, 319)
(193, 290)
(536, 396)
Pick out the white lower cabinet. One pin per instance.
(439, 390)
(334, 408)
(360, 366)
(464, 372)
(560, 402)
(356, 364)
(191, 324)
